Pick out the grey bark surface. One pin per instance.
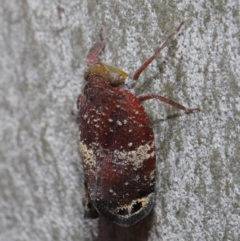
(43, 45)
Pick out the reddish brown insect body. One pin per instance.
(116, 142)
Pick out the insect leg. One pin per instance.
(144, 97)
(96, 50)
(149, 60)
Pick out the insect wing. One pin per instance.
(117, 146)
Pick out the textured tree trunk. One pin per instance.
(43, 45)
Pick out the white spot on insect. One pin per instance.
(110, 120)
(137, 178)
(125, 122)
(95, 144)
(119, 122)
(85, 116)
(152, 175)
(130, 144)
(130, 130)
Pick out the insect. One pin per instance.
(116, 141)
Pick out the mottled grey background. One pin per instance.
(43, 45)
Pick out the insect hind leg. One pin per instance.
(144, 97)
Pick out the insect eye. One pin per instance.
(114, 79)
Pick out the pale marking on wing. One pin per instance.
(89, 159)
(144, 202)
(135, 157)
